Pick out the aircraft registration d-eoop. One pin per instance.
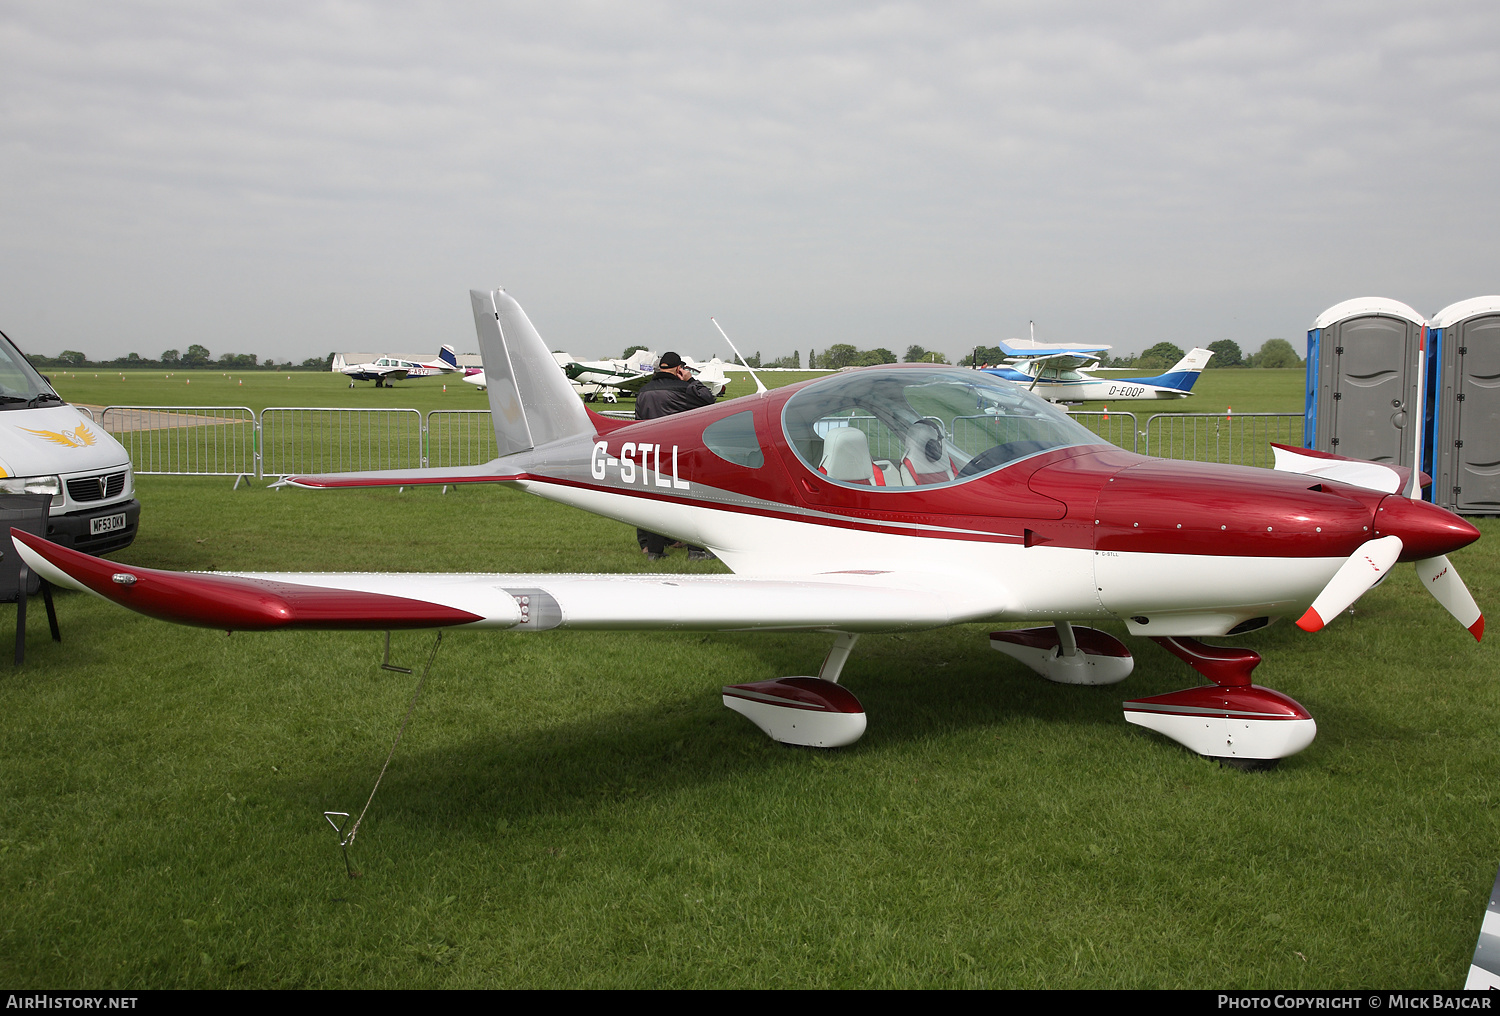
(883, 499)
(1060, 373)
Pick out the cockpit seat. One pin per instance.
(846, 457)
(926, 460)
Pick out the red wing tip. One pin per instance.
(1477, 629)
(29, 539)
(233, 602)
(1310, 621)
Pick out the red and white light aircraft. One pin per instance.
(879, 500)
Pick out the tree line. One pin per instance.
(196, 358)
(843, 354)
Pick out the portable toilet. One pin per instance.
(1464, 382)
(1361, 379)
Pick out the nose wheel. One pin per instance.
(1233, 721)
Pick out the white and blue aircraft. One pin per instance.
(1059, 372)
(388, 369)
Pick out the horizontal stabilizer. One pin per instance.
(497, 471)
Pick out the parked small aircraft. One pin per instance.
(1059, 373)
(630, 376)
(387, 369)
(597, 379)
(875, 500)
(607, 380)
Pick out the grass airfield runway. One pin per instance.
(578, 809)
(1244, 391)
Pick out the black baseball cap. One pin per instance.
(670, 360)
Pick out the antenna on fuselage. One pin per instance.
(759, 388)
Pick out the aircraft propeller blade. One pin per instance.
(1365, 567)
(1442, 581)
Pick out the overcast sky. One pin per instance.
(288, 179)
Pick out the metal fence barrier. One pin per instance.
(1119, 429)
(187, 440)
(460, 437)
(285, 440)
(1241, 438)
(305, 439)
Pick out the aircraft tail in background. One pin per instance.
(1184, 373)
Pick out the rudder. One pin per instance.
(531, 401)
(1184, 373)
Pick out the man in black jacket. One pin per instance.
(673, 389)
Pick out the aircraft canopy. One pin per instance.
(922, 426)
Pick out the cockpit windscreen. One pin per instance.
(912, 427)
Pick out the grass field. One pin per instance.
(293, 442)
(578, 809)
(1246, 391)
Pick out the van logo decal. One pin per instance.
(79, 437)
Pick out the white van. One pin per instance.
(48, 447)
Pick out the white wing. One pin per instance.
(844, 601)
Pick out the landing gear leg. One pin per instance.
(1066, 654)
(1233, 721)
(812, 711)
(838, 655)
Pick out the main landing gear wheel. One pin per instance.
(1233, 721)
(811, 711)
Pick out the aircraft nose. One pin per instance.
(1425, 529)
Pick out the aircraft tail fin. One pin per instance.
(448, 356)
(1184, 373)
(531, 401)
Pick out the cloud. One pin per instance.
(336, 174)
